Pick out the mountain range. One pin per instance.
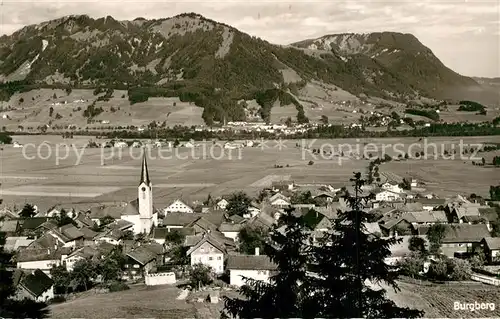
(216, 66)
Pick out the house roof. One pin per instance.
(154, 248)
(160, 233)
(467, 210)
(115, 234)
(28, 254)
(250, 262)
(46, 241)
(489, 213)
(278, 196)
(460, 233)
(36, 283)
(88, 233)
(208, 238)
(71, 232)
(85, 252)
(262, 220)
(84, 219)
(50, 224)
(99, 212)
(142, 255)
(183, 219)
(312, 218)
(14, 243)
(33, 222)
(230, 227)
(9, 226)
(121, 224)
(430, 201)
(372, 228)
(203, 224)
(131, 208)
(493, 243)
(236, 219)
(144, 172)
(426, 217)
(412, 207)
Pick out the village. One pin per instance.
(222, 238)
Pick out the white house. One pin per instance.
(256, 267)
(37, 286)
(17, 145)
(392, 187)
(387, 196)
(231, 230)
(141, 212)
(178, 206)
(42, 259)
(208, 251)
(79, 254)
(120, 144)
(222, 204)
(279, 200)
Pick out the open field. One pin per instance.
(437, 301)
(95, 176)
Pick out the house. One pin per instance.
(42, 259)
(231, 229)
(36, 285)
(460, 238)
(110, 236)
(431, 203)
(88, 236)
(257, 267)
(426, 217)
(178, 206)
(9, 227)
(140, 261)
(222, 204)
(387, 196)
(68, 235)
(316, 221)
(325, 196)
(182, 220)
(279, 200)
(208, 251)
(82, 253)
(491, 247)
(84, 220)
(392, 187)
(396, 227)
(28, 226)
(12, 244)
(262, 220)
(279, 186)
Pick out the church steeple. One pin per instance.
(144, 172)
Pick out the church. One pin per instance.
(141, 212)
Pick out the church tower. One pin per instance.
(145, 198)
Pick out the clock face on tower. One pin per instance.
(143, 189)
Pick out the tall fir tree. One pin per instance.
(284, 295)
(346, 260)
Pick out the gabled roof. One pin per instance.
(208, 238)
(430, 201)
(9, 226)
(46, 241)
(66, 233)
(14, 243)
(493, 243)
(48, 225)
(121, 224)
(412, 207)
(142, 255)
(230, 227)
(84, 219)
(461, 233)
(36, 283)
(184, 219)
(88, 233)
(28, 254)
(262, 220)
(115, 234)
(178, 201)
(114, 211)
(33, 222)
(237, 219)
(85, 252)
(203, 224)
(278, 196)
(250, 262)
(426, 217)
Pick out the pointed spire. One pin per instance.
(144, 172)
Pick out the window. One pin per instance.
(210, 258)
(136, 266)
(219, 258)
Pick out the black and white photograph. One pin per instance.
(168, 159)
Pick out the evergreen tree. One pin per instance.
(346, 258)
(27, 211)
(285, 294)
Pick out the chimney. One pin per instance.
(257, 250)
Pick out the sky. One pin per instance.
(464, 34)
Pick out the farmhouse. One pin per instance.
(68, 236)
(178, 206)
(140, 261)
(460, 238)
(42, 259)
(222, 204)
(431, 203)
(231, 230)
(140, 212)
(392, 187)
(35, 285)
(257, 267)
(387, 196)
(279, 200)
(396, 227)
(208, 251)
(426, 217)
(491, 247)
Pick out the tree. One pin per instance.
(83, 273)
(346, 258)
(406, 184)
(62, 279)
(251, 238)
(411, 265)
(495, 193)
(458, 269)
(286, 292)
(9, 307)
(63, 219)
(288, 121)
(417, 244)
(51, 111)
(238, 204)
(324, 119)
(483, 161)
(438, 270)
(200, 275)
(174, 237)
(435, 235)
(27, 211)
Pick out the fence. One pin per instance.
(485, 279)
(162, 278)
